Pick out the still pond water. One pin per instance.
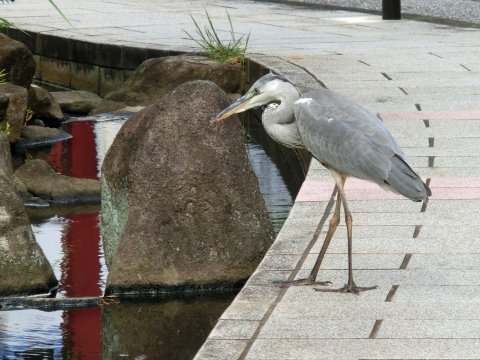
(70, 238)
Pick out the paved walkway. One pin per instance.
(424, 81)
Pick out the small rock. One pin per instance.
(107, 106)
(43, 104)
(34, 136)
(16, 108)
(42, 181)
(77, 101)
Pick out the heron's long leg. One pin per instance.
(334, 221)
(310, 280)
(350, 286)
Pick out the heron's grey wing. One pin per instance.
(344, 136)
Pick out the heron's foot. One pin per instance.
(350, 288)
(301, 282)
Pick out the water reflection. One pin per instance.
(30, 334)
(275, 193)
(172, 330)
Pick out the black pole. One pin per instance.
(391, 10)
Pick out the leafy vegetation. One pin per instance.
(59, 11)
(28, 115)
(3, 76)
(230, 51)
(5, 128)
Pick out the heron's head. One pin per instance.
(267, 89)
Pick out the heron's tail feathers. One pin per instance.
(405, 181)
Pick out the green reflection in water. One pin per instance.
(173, 329)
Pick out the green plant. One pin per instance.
(3, 76)
(28, 115)
(6, 128)
(230, 51)
(4, 23)
(60, 12)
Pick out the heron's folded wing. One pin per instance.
(344, 136)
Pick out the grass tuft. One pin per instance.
(3, 76)
(230, 51)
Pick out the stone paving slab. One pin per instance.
(371, 349)
(382, 310)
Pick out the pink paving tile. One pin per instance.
(455, 182)
(461, 193)
(461, 188)
(431, 115)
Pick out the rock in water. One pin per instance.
(23, 266)
(181, 206)
(43, 182)
(158, 76)
(77, 101)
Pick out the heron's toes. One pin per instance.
(349, 288)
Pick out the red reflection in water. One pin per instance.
(78, 156)
(80, 243)
(81, 266)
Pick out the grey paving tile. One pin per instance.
(269, 278)
(220, 349)
(429, 329)
(254, 293)
(440, 231)
(391, 311)
(372, 231)
(457, 161)
(279, 262)
(288, 328)
(395, 245)
(433, 294)
(234, 329)
(360, 261)
(307, 349)
(445, 261)
(245, 310)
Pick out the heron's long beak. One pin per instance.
(242, 104)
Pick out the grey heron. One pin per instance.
(343, 136)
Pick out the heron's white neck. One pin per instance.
(279, 120)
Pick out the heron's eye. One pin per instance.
(256, 91)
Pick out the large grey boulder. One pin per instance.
(181, 206)
(23, 266)
(12, 111)
(157, 76)
(17, 61)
